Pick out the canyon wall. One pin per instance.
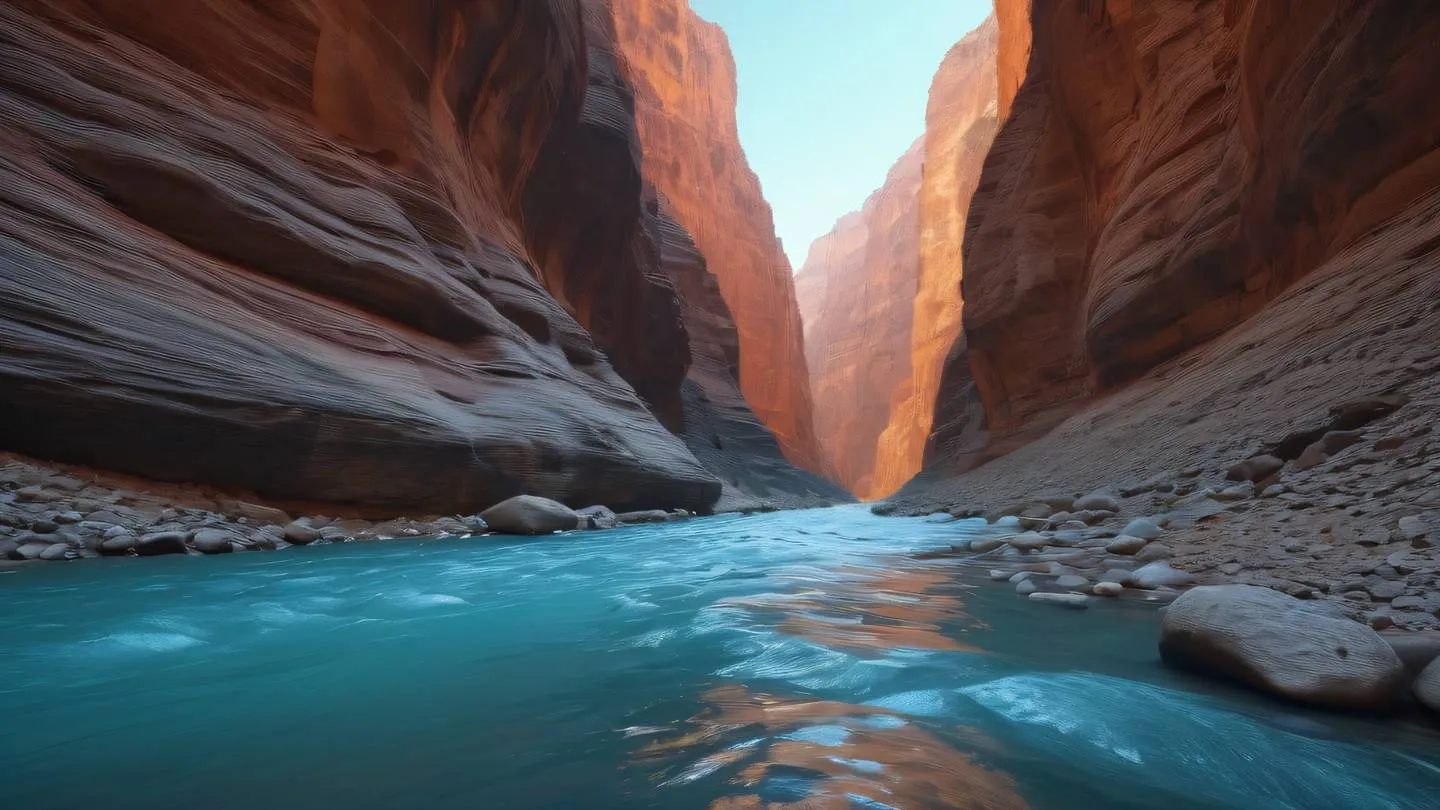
(960, 122)
(856, 293)
(1164, 172)
(392, 255)
(880, 294)
(684, 76)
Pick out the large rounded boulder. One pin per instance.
(1305, 651)
(530, 514)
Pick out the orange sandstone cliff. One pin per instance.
(857, 290)
(1204, 223)
(685, 96)
(880, 294)
(392, 255)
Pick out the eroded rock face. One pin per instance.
(1164, 171)
(960, 122)
(684, 76)
(354, 252)
(880, 294)
(857, 289)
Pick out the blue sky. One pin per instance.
(832, 92)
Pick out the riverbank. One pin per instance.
(56, 512)
(1344, 510)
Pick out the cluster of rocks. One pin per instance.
(1347, 516)
(48, 514)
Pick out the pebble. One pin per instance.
(1126, 545)
(1098, 500)
(1144, 528)
(1154, 551)
(1108, 589)
(1075, 601)
(1160, 575)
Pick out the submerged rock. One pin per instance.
(1305, 651)
(530, 514)
(1076, 601)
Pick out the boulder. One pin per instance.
(300, 534)
(646, 516)
(1144, 528)
(118, 544)
(530, 514)
(1097, 501)
(1257, 468)
(1427, 686)
(1126, 545)
(213, 541)
(597, 517)
(1306, 651)
(1075, 601)
(31, 551)
(161, 543)
(1160, 575)
(56, 551)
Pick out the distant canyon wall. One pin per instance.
(880, 293)
(685, 82)
(391, 255)
(1165, 170)
(857, 290)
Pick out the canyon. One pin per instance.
(370, 255)
(880, 294)
(685, 89)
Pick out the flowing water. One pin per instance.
(799, 659)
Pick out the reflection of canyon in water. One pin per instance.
(824, 754)
(802, 753)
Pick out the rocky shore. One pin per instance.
(55, 513)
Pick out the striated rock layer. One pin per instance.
(960, 121)
(684, 76)
(881, 293)
(353, 252)
(1232, 203)
(856, 294)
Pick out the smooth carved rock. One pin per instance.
(1302, 650)
(1074, 601)
(346, 285)
(530, 514)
